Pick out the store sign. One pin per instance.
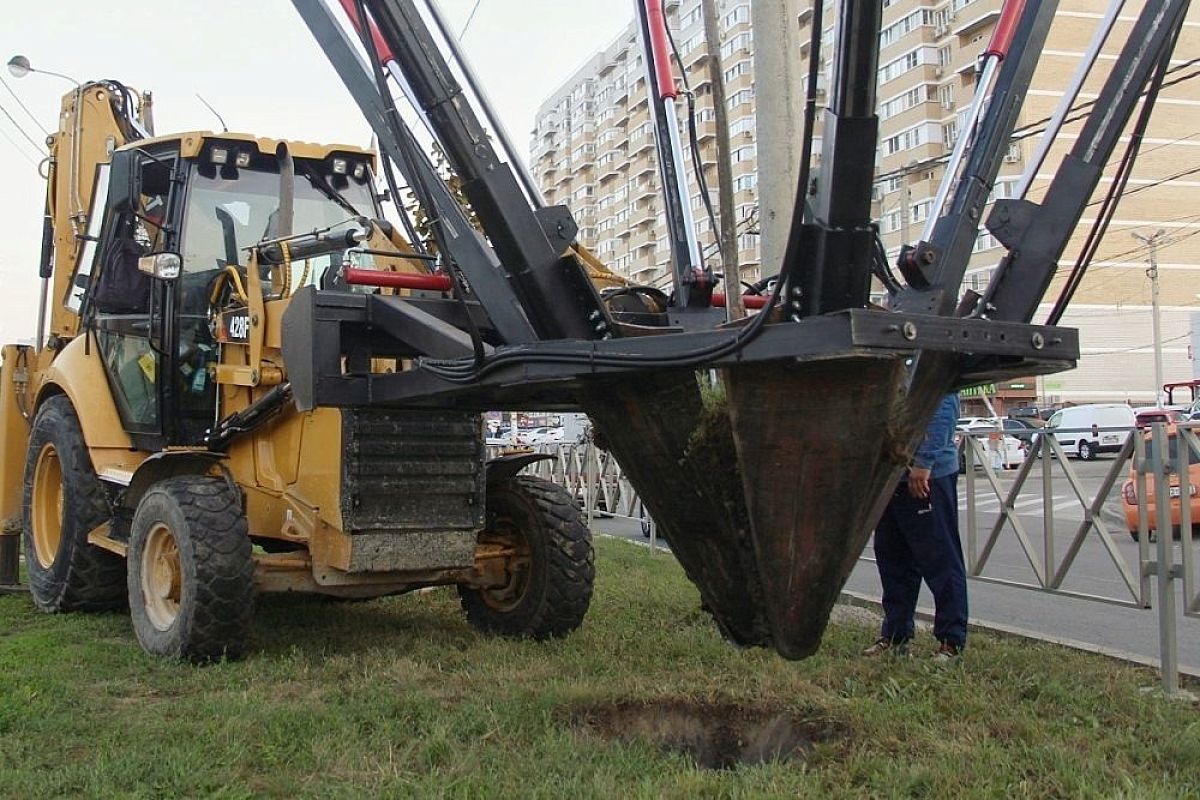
(977, 391)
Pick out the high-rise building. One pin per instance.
(593, 145)
(593, 150)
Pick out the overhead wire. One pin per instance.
(17, 147)
(40, 148)
(24, 108)
(1039, 126)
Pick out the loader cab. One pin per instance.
(155, 334)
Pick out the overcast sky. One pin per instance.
(256, 63)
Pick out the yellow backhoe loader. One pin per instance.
(251, 382)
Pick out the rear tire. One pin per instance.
(550, 581)
(63, 502)
(191, 573)
(1085, 450)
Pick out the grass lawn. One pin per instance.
(400, 698)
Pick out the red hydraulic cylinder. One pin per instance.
(660, 49)
(396, 280)
(1006, 29)
(381, 48)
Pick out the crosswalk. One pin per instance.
(1065, 506)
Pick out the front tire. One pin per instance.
(191, 574)
(63, 502)
(550, 575)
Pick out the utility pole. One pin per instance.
(779, 108)
(728, 233)
(1152, 242)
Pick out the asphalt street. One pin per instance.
(1102, 624)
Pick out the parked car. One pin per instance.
(1083, 431)
(1129, 498)
(1020, 428)
(544, 435)
(1004, 450)
(1145, 417)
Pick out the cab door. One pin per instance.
(129, 313)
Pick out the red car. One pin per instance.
(1129, 499)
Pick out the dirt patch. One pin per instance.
(714, 735)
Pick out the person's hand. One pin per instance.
(918, 482)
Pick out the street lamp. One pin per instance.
(1152, 242)
(19, 67)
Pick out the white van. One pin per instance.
(1081, 430)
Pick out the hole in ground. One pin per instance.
(714, 735)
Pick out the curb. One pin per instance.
(926, 615)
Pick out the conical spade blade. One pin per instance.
(819, 445)
(681, 460)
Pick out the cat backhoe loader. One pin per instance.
(250, 382)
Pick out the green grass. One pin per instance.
(400, 698)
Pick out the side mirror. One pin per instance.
(125, 181)
(164, 266)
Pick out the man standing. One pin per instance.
(917, 537)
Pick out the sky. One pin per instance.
(258, 65)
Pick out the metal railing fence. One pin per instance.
(595, 479)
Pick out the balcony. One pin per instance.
(644, 214)
(609, 169)
(643, 166)
(645, 189)
(640, 144)
(984, 20)
(644, 237)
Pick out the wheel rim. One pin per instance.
(161, 577)
(47, 506)
(506, 531)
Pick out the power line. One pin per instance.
(1134, 349)
(17, 125)
(13, 142)
(1039, 126)
(36, 121)
(470, 17)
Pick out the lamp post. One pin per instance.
(1152, 242)
(19, 67)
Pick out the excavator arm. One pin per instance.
(769, 483)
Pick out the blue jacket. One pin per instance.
(938, 452)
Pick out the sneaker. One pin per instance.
(947, 652)
(884, 645)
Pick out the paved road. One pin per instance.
(1104, 625)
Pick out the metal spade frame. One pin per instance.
(801, 381)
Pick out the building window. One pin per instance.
(739, 97)
(909, 61)
(743, 41)
(737, 70)
(904, 26)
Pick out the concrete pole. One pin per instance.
(729, 245)
(1152, 274)
(778, 117)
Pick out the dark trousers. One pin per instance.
(918, 539)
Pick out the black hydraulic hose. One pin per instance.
(456, 371)
(791, 256)
(694, 145)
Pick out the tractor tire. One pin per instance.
(1085, 450)
(63, 502)
(550, 584)
(191, 574)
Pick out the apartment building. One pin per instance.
(593, 149)
(592, 146)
